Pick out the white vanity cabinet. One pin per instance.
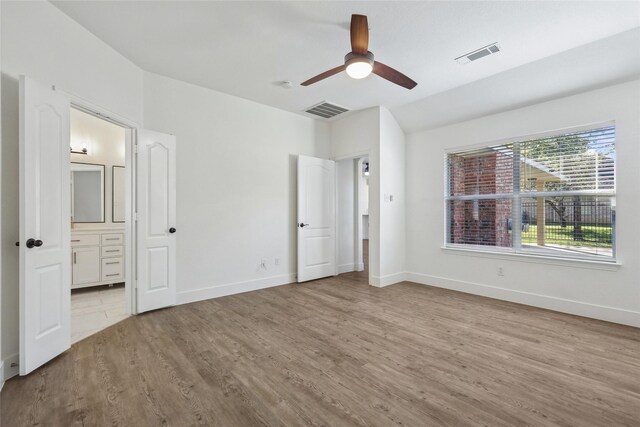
(97, 257)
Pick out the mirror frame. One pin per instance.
(104, 190)
(113, 193)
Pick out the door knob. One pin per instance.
(172, 230)
(303, 225)
(34, 243)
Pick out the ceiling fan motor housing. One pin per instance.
(352, 57)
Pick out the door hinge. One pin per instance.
(135, 148)
(135, 216)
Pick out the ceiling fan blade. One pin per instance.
(324, 75)
(359, 34)
(392, 75)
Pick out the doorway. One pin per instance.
(142, 253)
(98, 285)
(362, 238)
(353, 216)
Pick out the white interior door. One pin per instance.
(45, 215)
(316, 218)
(156, 207)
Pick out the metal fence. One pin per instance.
(570, 221)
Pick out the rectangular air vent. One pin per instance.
(478, 53)
(326, 110)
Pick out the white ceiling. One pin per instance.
(245, 48)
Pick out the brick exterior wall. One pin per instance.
(480, 222)
(504, 184)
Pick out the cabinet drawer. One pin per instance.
(113, 269)
(112, 251)
(85, 240)
(113, 239)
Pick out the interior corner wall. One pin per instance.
(236, 185)
(41, 42)
(376, 132)
(392, 199)
(353, 136)
(608, 293)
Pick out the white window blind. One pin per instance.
(549, 195)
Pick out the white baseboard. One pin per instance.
(9, 368)
(346, 268)
(610, 314)
(389, 279)
(1, 374)
(234, 288)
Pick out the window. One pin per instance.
(557, 198)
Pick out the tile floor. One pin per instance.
(95, 308)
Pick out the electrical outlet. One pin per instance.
(500, 271)
(276, 261)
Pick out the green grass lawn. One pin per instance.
(594, 236)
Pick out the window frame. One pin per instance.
(516, 250)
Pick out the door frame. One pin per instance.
(131, 141)
(356, 158)
(359, 184)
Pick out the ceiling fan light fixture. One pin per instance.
(358, 66)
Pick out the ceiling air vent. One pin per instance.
(326, 110)
(478, 53)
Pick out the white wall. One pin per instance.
(1, 359)
(609, 293)
(392, 197)
(40, 41)
(346, 208)
(236, 172)
(105, 146)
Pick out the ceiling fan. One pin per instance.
(359, 62)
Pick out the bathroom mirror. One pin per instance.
(87, 192)
(117, 193)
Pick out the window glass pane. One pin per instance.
(484, 222)
(570, 162)
(485, 171)
(574, 225)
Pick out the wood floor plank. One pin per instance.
(340, 352)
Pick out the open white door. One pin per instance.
(156, 224)
(45, 222)
(316, 218)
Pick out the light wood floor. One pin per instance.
(96, 308)
(339, 352)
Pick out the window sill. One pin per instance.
(535, 258)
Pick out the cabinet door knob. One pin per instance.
(172, 230)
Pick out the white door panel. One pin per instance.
(316, 218)
(45, 265)
(156, 220)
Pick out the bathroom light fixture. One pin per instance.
(84, 149)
